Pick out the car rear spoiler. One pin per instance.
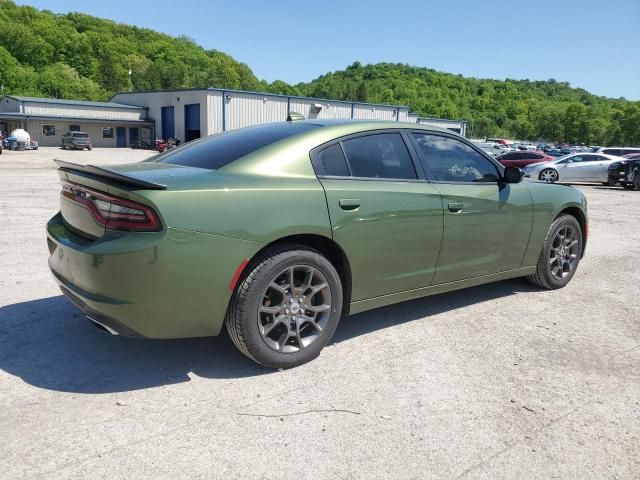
(104, 172)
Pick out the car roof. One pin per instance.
(364, 125)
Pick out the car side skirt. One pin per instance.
(371, 303)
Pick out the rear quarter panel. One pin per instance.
(256, 208)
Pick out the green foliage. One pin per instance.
(83, 57)
(523, 109)
(80, 56)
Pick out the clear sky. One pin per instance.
(592, 44)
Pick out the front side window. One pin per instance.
(382, 155)
(107, 132)
(74, 128)
(449, 160)
(48, 130)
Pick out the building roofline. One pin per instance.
(443, 119)
(266, 94)
(63, 101)
(29, 116)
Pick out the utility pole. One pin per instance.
(130, 83)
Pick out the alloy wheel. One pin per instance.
(548, 175)
(563, 255)
(294, 309)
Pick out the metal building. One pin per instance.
(457, 126)
(185, 114)
(191, 113)
(47, 119)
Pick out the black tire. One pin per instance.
(636, 181)
(89, 148)
(628, 186)
(242, 315)
(64, 147)
(543, 277)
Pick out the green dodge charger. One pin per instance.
(276, 231)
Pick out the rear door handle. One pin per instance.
(455, 207)
(349, 203)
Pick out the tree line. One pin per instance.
(78, 56)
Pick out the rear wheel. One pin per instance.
(548, 175)
(285, 311)
(636, 181)
(560, 254)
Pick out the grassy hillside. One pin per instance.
(84, 57)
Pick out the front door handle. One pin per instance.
(455, 207)
(349, 204)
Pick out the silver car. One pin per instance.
(575, 167)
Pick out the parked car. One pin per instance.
(626, 172)
(618, 151)
(493, 148)
(522, 159)
(276, 231)
(76, 140)
(575, 167)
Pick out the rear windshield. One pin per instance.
(80, 135)
(219, 150)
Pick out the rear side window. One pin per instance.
(219, 150)
(332, 162)
(450, 160)
(382, 155)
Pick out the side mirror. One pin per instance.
(512, 175)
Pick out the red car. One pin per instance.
(522, 159)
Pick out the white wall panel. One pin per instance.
(329, 109)
(245, 109)
(80, 111)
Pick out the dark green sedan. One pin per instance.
(275, 232)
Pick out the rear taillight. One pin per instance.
(114, 213)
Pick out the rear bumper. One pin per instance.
(168, 284)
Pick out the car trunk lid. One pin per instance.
(92, 197)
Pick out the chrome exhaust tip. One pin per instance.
(101, 326)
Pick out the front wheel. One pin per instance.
(548, 175)
(560, 254)
(286, 309)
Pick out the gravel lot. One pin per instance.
(498, 381)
